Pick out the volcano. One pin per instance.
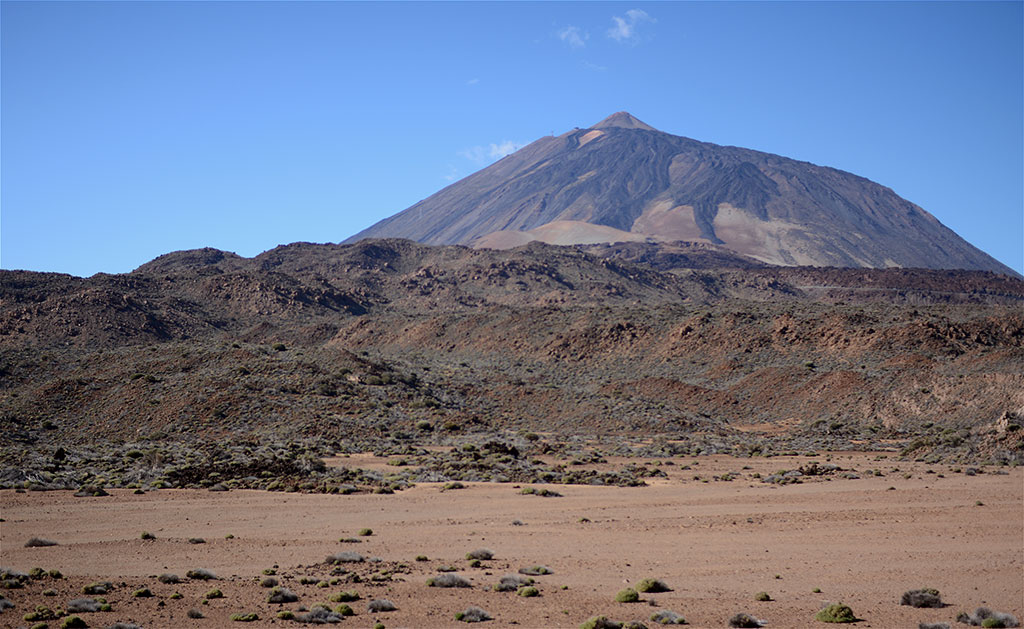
(622, 180)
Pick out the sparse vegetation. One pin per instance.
(147, 535)
(537, 570)
(985, 617)
(925, 597)
(194, 613)
(365, 532)
(448, 580)
(601, 622)
(745, 621)
(511, 583)
(242, 617)
(836, 613)
(380, 605)
(472, 614)
(98, 588)
(345, 557)
(762, 597)
(480, 553)
(344, 597)
(39, 542)
(73, 622)
(652, 586)
(667, 617)
(142, 593)
(628, 595)
(528, 591)
(214, 593)
(281, 595)
(268, 582)
(169, 578)
(199, 574)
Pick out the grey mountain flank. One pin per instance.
(621, 180)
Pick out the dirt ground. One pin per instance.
(716, 543)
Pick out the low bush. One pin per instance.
(344, 597)
(268, 582)
(480, 553)
(250, 617)
(194, 613)
(167, 577)
(472, 614)
(448, 580)
(39, 542)
(380, 605)
(652, 586)
(933, 625)
(528, 591)
(365, 532)
(41, 613)
(344, 610)
(73, 622)
(925, 597)
(745, 621)
(535, 571)
(511, 583)
(214, 593)
(196, 540)
(345, 557)
(147, 535)
(836, 613)
(629, 595)
(201, 574)
(762, 597)
(98, 588)
(319, 615)
(142, 593)
(667, 617)
(281, 595)
(985, 617)
(601, 622)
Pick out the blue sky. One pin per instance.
(132, 129)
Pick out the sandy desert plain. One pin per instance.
(716, 543)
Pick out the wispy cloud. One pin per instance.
(484, 154)
(472, 81)
(574, 36)
(625, 28)
(594, 67)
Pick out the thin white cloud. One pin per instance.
(492, 152)
(594, 67)
(574, 36)
(472, 81)
(625, 28)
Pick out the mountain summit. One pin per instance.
(622, 180)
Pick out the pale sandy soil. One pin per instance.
(716, 544)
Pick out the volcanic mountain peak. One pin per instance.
(624, 181)
(623, 120)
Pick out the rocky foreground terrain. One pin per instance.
(202, 368)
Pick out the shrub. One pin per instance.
(124, 625)
(147, 535)
(319, 615)
(194, 613)
(762, 596)
(344, 610)
(836, 612)
(422, 558)
(345, 557)
(536, 570)
(629, 595)
(39, 542)
(350, 540)
(448, 580)
(5, 604)
(924, 597)
(49, 592)
(480, 553)
(745, 621)
(214, 593)
(933, 625)
(196, 540)
(55, 574)
(452, 485)
(668, 617)
(176, 596)
(250, 617)
(365, 532)
(472, 614)
(36, 574)
(282, 595)
(984, 615)
(169, 578)
(652, 586)
(601, 622)
(101, 587)
(268, 582)
(142, 593)
(41, 613)
(511, 582)
(344, 597)
(528, 591)
(73, 622)
(201, 574)
(284, 614)
(380, 605)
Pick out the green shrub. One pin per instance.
(284, 614)
(344, 597)
(836, 612)
(73, 622)
(142, 593)
(629, 595)
(250, 617)
(147, 535)
(214, 593)
(762, 596)
(653, 586)
(601, 622)
(667, 617)
(344, 610)
(365, 532)
(472, 614)
(528, 591)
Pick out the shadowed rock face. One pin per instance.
(648, 185)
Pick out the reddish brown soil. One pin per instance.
(717, 544)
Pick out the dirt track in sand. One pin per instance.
(716, 544)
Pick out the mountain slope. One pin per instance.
(621, 180)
